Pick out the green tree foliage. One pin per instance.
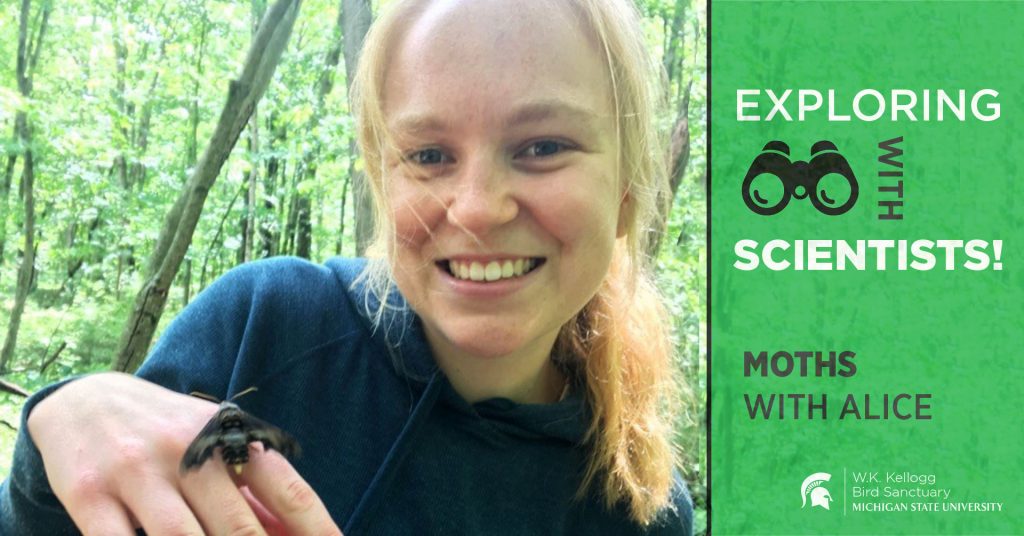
(127, 94)
(677, 32)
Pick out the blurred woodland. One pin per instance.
(123, 192)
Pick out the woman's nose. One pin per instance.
(482, 199)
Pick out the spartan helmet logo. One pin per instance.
(813, 486)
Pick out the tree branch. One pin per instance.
(14, 389)
(37, 46)
(243, 94)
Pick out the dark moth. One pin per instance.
(232, 430)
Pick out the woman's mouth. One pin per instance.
(490, 271)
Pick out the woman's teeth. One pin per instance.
(491, 271)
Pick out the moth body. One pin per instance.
(232, 430)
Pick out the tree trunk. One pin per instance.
(341, 219)
(192, 143)
(186, 283)
(26, 66)
(674, 40)
(247, 220)
(270, 226)
(310, 159)
(363, 204)
(303, 227)
(134, 118)
(216, 244)
(250, 197)
(173, 216)
(28, 54)
(358, 17)
(259, 7)
(140, 139)
(243, 94)
(679, 157)
(680, 144)
(287, 246)
(141, 124)
(121, 140)
(679, 150)
(5, 194)
(27, 262)
(75, 264)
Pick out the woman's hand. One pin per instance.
(112, 443)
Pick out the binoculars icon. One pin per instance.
(773, 180)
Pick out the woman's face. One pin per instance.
(503, 191)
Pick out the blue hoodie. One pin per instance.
(388, 444)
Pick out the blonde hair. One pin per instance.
(619, 342)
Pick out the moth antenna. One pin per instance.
(245, 392)
(204, 396)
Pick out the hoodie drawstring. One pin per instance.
(386, 472)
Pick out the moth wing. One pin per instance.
(202, 447)
(271, 436)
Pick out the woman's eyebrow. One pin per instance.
(418, 123)
(535, 112)
(531, 112)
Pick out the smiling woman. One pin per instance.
(501, 363)
(534, 146)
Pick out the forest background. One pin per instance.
(114, 114)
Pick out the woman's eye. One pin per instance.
(428, 157)
(543, 148)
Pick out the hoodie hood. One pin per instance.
(398, 330)
(566, 419)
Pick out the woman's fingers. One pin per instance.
(217, 501)
(160, 509)
(278, 487)
(270, 522)
(111, 444)
(103, 516)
